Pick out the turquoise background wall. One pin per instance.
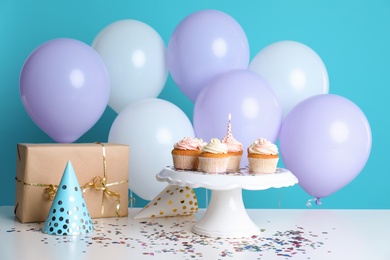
(351, 36)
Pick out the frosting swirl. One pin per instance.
(188, 143)
(215, 146)
(232, 144)
(263, 146)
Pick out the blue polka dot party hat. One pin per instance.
(68, 214)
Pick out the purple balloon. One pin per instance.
(64, 87)
(325, 141)
(254, 108)
(203, 45)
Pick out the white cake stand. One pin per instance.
(226, 215)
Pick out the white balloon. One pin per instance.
(293, 70)
(150, 127)
(135, 57)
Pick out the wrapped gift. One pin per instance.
(101, 170)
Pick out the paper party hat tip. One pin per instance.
(68, 214)
(172, 201)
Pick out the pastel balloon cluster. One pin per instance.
(282, 94)
(66, 85)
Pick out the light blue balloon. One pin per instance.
(150, 127)
(135, 57)
(293, 70)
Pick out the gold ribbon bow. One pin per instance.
(51, 190)
(100, 184)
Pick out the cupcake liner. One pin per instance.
(234, 163)
(260, 165)
(213, 165)
(185, 162)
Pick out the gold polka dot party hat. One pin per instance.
(172, 201)
(68, 214)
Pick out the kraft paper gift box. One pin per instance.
(101, 170)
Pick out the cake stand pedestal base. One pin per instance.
(226, 217)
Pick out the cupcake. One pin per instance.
(234, 150)
(214, 157)
(262, 156)
(185, 153)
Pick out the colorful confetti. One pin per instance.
(175, 237)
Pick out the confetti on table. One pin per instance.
(175, 237)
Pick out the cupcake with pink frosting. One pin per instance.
(234, 150)
(185, 153)
(263, 156)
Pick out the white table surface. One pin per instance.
(285, 234)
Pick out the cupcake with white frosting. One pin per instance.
(263, 156)
(214, 157)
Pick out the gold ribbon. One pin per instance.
(50, 189)
(98, 183)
